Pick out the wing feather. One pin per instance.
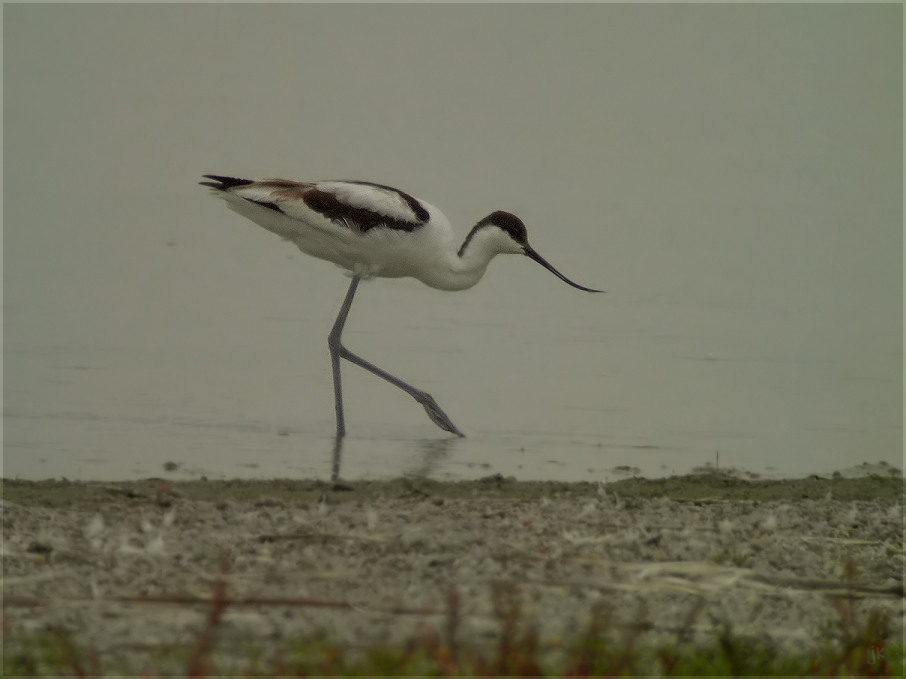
(360, 206)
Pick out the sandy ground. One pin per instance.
(127, 567)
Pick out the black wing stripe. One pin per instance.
(417, 208)
(327, 204)
(268, 205)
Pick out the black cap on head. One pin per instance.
(509, 223)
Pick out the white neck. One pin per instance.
(462, 270)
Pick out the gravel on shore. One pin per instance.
(129, 568)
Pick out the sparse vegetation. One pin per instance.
(849, 646)
(701, 577)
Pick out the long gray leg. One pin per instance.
(338, 351)
(333, 341)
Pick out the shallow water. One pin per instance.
(551, 384)
(741, 204)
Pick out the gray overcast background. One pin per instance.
(730, 174)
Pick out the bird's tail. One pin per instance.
(222, 183)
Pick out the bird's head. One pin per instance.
(504, 233)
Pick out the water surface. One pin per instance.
(729, 174)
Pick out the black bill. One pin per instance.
(531, 254)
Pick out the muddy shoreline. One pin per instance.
(708, 485)
(127, 568)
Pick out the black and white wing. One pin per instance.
(287, 207)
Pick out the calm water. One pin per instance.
(547, 383)
(727, 173)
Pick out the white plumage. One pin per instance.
(373, 230)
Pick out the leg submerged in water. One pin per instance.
(338, 351)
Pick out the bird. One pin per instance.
(376, 231)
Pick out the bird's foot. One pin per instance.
(435, 414)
